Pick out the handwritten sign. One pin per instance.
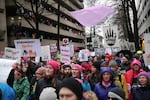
(65, 54)
(12, 53)
(45, 53)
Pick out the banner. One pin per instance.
(29, 47)
(65, 54)
(45, 53)
(5, 66)
(12, 53)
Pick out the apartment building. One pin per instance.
(143, 8)
(22, 23)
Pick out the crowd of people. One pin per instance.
(107, 77)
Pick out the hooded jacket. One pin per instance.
(99, 89)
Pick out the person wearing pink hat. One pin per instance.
(50, 79)
(131, 75)
(77, 73)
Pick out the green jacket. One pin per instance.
(22, 88)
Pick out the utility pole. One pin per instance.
(58, 25)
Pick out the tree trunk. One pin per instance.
(135, 20)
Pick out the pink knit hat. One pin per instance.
(137, 62)
(54, 64)
(78, 67)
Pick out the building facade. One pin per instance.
(143, 8)
(3, 28)
(22, 22)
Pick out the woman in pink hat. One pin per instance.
(131, 75)
(50, 79)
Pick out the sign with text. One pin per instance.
(5, 66)
(12, 53)
(29, 47)
(65, 54)
(45, 53)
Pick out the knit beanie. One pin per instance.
(117, 92)
(48, 94)
(54, 64)
(73, 85)
(78, 67)
(112, 63)
(143, 74)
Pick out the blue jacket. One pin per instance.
(7, 92)
(99, 89)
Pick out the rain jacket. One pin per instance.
(99, 89)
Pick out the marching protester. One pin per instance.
(77, 73)
(39, 74)
(142, 90)
(50, 79)
(119, 77)
(10, 79)
(7, 92)
(131, 75)
(21, 84)
(116, 93)
(94, 76)
(125, 63)
(105, 84)
(70, 89)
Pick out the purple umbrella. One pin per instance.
(93, 15)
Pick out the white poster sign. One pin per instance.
(5, 66)
(131, 46)
(45, 53)
(65, 54)
(146, 59)
(71, 49)
(29, 47)
(147, 43)
(12, 53)
(110, 36)
(83, 55)
(99, 51)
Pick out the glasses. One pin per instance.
(111, 98)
